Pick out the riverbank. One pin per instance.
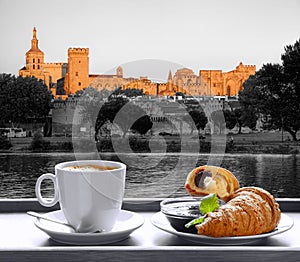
(264, 142)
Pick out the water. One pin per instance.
(156, 175)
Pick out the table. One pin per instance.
(20, 240)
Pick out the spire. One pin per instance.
(34, 33)
(34, 41)
(170, 76)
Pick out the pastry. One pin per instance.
(205, 180)
(249, 211)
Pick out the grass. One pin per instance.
(263, 142)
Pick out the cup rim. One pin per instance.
(61, 165)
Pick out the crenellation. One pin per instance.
(56, 63)
(78, 51)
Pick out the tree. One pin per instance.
(199, 120)
(131, 116)
(274, 92)
(89, 103)
(23, 98)
(127, 116)
(249, 103)
(108, 112)
(271, 94)
(142, 125)
(238, 116)
(230, 119)
(291, 69)
(291, 66)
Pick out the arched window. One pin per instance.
(228, 90)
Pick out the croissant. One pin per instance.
(204, 180)
(250, 211)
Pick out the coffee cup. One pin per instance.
(90, 193)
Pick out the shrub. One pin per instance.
(39, 143)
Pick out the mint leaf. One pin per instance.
(209, 204)
(195, 221)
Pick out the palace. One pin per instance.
(67, 78)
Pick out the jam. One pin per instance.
(184, 208)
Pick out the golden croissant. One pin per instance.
(204, 180)
(250, 211)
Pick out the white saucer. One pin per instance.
(126, 223)
(159, 220)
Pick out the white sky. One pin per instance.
(198, 34)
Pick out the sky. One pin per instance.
(150, 35)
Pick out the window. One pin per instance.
(38, 60)
(38, 67)
(76, 74)
(33, 67)
(79, 83)
(228, 90)
(33, 60)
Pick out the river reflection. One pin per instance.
(279, 174)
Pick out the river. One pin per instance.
(156, 175)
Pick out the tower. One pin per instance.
(170, 82)
(34, 56)
(78, 69)
(119, 71)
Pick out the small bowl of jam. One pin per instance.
(180, 211)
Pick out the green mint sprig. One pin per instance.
(208, 204)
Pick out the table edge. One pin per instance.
(132, 204)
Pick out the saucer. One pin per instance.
(126, 223)
(160, 221)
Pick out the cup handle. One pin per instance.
(43, 201)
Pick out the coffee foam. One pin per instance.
(89, 167)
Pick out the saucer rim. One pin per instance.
(91, 238)
(165, 225)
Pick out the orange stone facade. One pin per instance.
(74, 76)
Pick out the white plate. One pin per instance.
(159, 220)
(126, 223)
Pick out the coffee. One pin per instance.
(89, 167)
(90, 193)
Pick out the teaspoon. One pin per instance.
(68, 228)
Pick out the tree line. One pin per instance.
(22, 99)
(271, 95)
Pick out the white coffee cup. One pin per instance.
(90, 198)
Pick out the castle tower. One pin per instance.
(119, 71)
(78, 69)
(170, 80)
(34, 56)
